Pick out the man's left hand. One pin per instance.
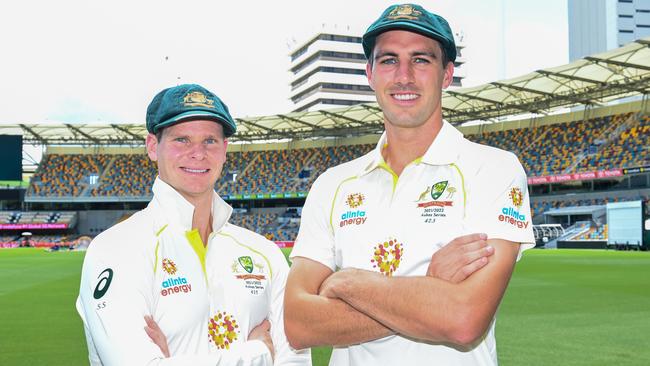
(460, 258)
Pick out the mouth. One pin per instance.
(195, 171)
(405, 97)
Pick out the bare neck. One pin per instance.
(407, 144)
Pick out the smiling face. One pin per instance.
(190, 157)
(407, 76)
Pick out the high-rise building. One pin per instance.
(329, 71)
(599, 25)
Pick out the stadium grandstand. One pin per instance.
(581, 131)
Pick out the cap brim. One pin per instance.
(194, 115)
(407, 26)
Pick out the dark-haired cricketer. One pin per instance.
(369, 226)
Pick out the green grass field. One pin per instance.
(563, 307)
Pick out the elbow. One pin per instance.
(295, 343)
(456, 332)
(466, 337)
(295, 331)
(469, 328)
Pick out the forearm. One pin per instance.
(407, 305)
(314, 320)
(428, 308)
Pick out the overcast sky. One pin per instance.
(84, 61)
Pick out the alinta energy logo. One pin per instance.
(387, 256)
(223, 330)
(511, 215)
(354, 217)
(171, 285)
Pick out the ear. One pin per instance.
(448, 77)
(369, 75)
(152, 147)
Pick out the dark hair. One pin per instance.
(159, 134)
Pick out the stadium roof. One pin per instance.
(593, 80)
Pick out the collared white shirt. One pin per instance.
(155, 264)
(361, 215)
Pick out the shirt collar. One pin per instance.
(176, 210)
(443, 150)
(376, 159)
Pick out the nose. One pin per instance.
(404, 73)
(198, 151)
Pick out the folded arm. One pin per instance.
(113, 300)
(428, 308)
(341, 324)
(338, 322)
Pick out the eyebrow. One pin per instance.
(384, 54)
(187, 135)
(413, 54)
(423, 53)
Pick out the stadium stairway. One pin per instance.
(608, 136)
(572, 231)
(551, 244)
(296, 179)
(242, 174)
(86, 191)
(534, 143)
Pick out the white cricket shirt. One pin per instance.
(361, 215)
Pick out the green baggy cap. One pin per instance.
(185, 103)
(412, 18)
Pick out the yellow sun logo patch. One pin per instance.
(169, 266)
(516, 197)
(355, 200)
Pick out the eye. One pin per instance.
(421, 60)
(388, 61)
(210, 141)
(181, 139)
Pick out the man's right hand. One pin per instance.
(262, 332)
(460, 258)
(156, 334)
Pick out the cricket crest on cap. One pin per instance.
(406, 11)
(197, 99)
(412, 18)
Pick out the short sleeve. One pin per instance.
(284, 354)
(498, 203)
(315, 237)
